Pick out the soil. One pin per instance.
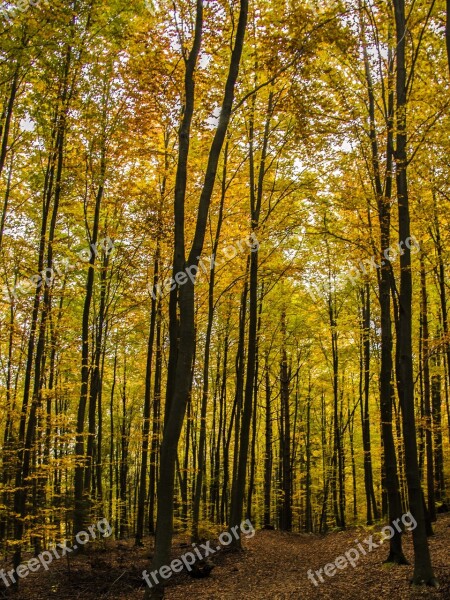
(273, 565)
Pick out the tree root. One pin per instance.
(396, 559)
(418, 581)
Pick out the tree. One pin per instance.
(180, 370)
(423, 572)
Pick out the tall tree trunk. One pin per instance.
(427, 393)
(351, 433)
(5, 128)
(268, 457)
(111, 440)
(383, 196)
(309, 527)
(251, 483)
(99, 369)
(156, 421)
(52, 189)
(371, 505)
(216, 465)
(201, 464)
(256, 195)
(147, 409)
(441, 277)
(437, 433)
(423, 571)
(83, 465)
(236, 413)
(338, 481)
(94, 368)
(8, 462)
(222, 504)
(181, 373)
(123, 524)
(285, 437)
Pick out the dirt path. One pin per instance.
(275, 566)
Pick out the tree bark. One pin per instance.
(147, 409)
(383, 195)
(285, 436)
(256, 194)
(431, 506)
(268, 457)
(371, 505)
(180, 374)
(423, 571)
(201, 464)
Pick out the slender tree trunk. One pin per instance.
(222, 507)
(383, 196)
(338, 459)
(285, 438)
(94, 368)
(181, 373)
(427, 394)
(188, 453)
(147, 409)
(52, 189)
(179, 256)
(6, 125)
(218, 425)
(201, 466)
(437, 433)
(256, 194)
(156, 421)
(268, 457)
(251, 483)
(99, 367)
(423, 571)
(6, 197)
(239, 393)
(372, 509)
(351, 433)
(443, 301)
(83, 468)
(123, 524)
(111, 440)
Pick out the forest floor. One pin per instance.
(273, 566)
